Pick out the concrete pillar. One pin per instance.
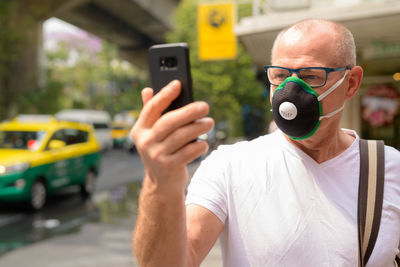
(25, 68)
(20, 48)
(19, 61)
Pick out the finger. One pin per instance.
(151, 112)
(190, 152)
(186, 134)
(147, 94)
(177, 118)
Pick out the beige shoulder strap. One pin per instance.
(370, 196)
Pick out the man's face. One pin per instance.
(315, 48)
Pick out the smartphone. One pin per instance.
(171, 62)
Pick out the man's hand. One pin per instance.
(164, 142)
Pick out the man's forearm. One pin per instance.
(160, 237)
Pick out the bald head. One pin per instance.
(345, 50)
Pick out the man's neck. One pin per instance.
(326, 148)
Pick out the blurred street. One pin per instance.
(71, 77)
(71, 231)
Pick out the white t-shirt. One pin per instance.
(281, 208)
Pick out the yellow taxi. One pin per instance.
(40, 155)
(119, 133)
(121, 126)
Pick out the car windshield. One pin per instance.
(20, 139)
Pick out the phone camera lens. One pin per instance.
(169, 62)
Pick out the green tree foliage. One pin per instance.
(230, 87)
(80, 75)
(42, 100)
(81, 71)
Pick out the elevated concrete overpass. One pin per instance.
(133, 25)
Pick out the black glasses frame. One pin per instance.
(297, 71)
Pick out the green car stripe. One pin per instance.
(55, 174)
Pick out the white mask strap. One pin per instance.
(271, 91)
(332, 113)
(333, 87)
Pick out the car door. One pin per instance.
(58, 175)
(75, 153)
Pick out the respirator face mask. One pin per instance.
(297, 109)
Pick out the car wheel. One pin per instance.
(88, 187)
(38, 195)
(132, 149)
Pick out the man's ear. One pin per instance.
(355, 77)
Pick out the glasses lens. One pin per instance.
(313, 77)
(277, 75)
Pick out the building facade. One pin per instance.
(374, 113)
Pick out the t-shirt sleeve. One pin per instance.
(207, 188)
(392, 179)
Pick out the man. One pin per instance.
(285, 199)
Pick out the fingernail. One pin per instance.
(206, 120)
(174, 82)
(202, 106)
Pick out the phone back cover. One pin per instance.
(161, 77)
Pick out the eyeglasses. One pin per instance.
(313, 76)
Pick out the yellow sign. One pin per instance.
(215, 31)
